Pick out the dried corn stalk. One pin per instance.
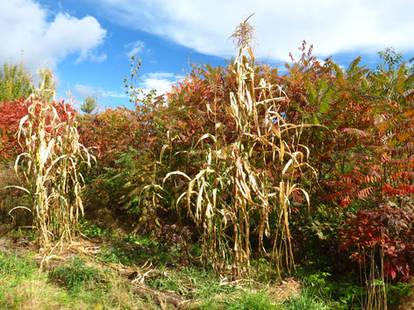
(49, 170)
(256, 173)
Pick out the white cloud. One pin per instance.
(98, 58)
(104, 98)
(331, 25)
(84, 91)
(160, 81)
(30, 34)
(112, 94)
(134, 48)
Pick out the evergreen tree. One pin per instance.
(89, 105)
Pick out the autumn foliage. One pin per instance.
(362, 148)
(11, 112)
(357, 127)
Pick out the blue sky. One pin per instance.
(88, 43)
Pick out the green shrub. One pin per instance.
(396, 292)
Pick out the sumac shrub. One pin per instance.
(10, 114)
(387, 228)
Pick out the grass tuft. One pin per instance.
(74, 276)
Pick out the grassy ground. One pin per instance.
(119, 272)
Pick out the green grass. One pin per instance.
(84, 282)
(71, 286)
(208, 292)
(23, 287)
(255, 300)
(307, 300)
(14, 266)
(338, 293)
(260, 300)
(191, 282)
(137, 251)
(76, 275)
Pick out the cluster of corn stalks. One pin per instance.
(252, 177)
(49, 170)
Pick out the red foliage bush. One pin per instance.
(10, 114)
(388, 228)
(109, 133)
